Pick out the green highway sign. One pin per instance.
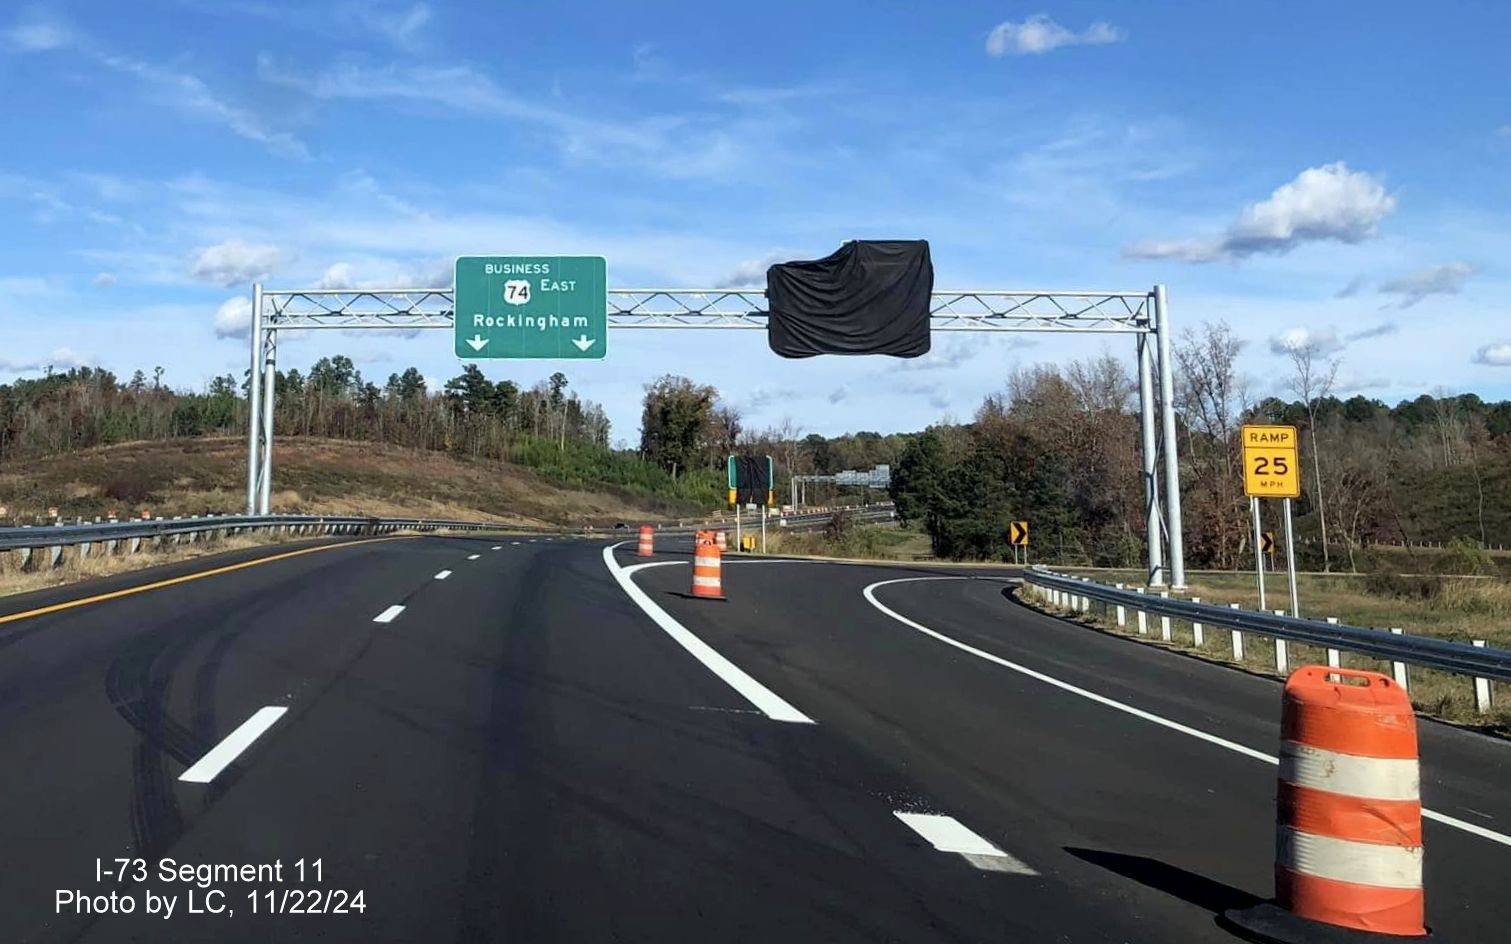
(531, 306)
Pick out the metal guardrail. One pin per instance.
(1421, 651)
(64, 535)
(68, 535)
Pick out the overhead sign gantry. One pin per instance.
(1142, 314)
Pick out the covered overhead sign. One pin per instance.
(868, 297)
(531, 306)
(751, 480)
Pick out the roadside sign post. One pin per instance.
(1272, 469)
(763, 529)
(531, 307)
(1290, 558)
(1258, 550)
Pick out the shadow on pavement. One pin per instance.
(1205, 893)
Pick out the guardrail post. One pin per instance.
(1237, 635)
(136, 545)
(25, 553)
(110, 546)
(1122, 613)
(1334, 657)
(1282, 656)
(1143, 617)
(1164, 621)
(84, 551)
(1197, 635)
(1398, 669)
(1482, 694)
(57, 555)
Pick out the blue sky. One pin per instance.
(1330, 174)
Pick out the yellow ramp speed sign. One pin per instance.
(1271, 462)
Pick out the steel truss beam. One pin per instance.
(1076, 312)
(991, 310)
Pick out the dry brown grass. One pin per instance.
(71, 569)
(1437, 694)
(866, 542)
(207, 476)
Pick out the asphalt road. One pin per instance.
(551, 743)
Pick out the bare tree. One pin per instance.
(1212, 398)
(1312, 380)
(1449, 423)
(1102, 384)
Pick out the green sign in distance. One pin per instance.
(531, 306)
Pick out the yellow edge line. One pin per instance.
(143, 588)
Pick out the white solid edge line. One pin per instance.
(948, 834)
(768, 702)
(443, 575)
(870, 595)
(389, 615)
(222, 754)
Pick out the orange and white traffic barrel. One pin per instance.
(706, 561)
(1348, 844)
(647, 541)
(721, 540)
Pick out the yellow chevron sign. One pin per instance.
(1017, 534)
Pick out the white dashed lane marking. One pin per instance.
(948, 834)
(221, 755)
(473, 556)
(389, 615)
(443, 575)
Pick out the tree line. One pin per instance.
(1057, 445)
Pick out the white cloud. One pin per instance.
(233, 263)
(182, 91)
(1494, 355)
(190, 95)
(647, 65)
(1445, 279)
(233, 319)
(401, 27)
(1329, 202)
(1377, 331)
(1350, 385)
(672, 145)
(762, 397)
(751, 273)
(946, 354)
(1354, 286)
(61, 358)
(37, 33)
(338, 276)
(103, 280)
(1039, 34)
(383, 273)
(1320, 341)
